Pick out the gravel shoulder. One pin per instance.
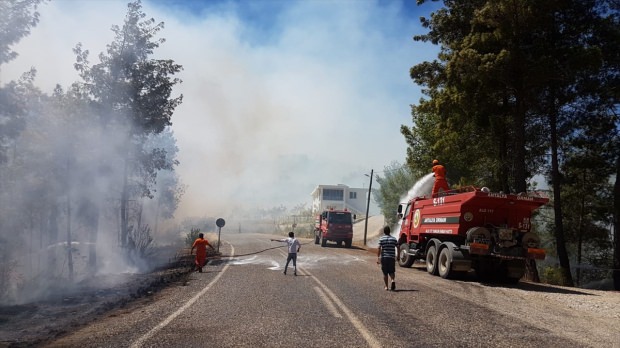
(591, 317)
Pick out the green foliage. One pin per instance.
(552, 275)
(596, 263)
(191, 236)
(133, 94)
(16, 20)
(13, 100)
(71, 151)
(515, 81)
(393, 187)
(168, 190)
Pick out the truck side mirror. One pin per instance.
(354, 217)
(399, 215)
(400, 209)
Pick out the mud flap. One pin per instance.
(515, 269)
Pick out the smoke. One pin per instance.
(422, 187)
(307, 93)
(316, 98)
(60, 207)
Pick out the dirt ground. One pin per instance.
(33, 324)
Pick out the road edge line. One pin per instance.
(138, 343)
(370, 339)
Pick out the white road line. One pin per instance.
(370, 339)
(140, 341)
(330, 306)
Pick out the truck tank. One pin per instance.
(470, 228)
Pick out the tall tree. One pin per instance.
(575, 73)
(503, 88)
(586, 195)
(394, 184)
(133, 92)
(610, 41)
(16, 20)
(168, 190)
(616, 234)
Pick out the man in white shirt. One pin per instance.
(293, 249)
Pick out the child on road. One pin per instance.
(293, 249)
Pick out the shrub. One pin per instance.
(552, 275)
(191, 236)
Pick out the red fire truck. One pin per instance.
(334, 225)
(470, 228)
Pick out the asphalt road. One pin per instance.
(337, 300)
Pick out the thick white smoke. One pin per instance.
(422, 187)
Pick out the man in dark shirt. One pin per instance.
(387, 252)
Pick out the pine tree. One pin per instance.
(504, 89)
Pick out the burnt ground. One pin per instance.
(33, 324)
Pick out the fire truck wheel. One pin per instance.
(348, 242)
(404, 259)
(431, 260)
(444, 264)
(316, 239)
(323, 241)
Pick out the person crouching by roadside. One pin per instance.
(293, 249)
(200, 244)
(386, 254)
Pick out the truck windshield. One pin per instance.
(340, 218)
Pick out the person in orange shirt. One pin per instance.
(439, 172)
(200, 244)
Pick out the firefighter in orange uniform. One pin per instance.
(439, 172)
(200, 244)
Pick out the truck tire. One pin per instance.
(348, 242)
(444, 263)
(431, 259)
(404, 259)
(316, 238)
(323, 241)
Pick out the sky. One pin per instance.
(278, 96)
